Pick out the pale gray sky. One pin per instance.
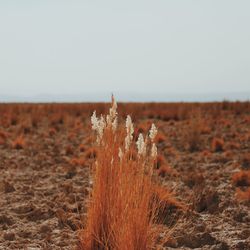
(134, 46)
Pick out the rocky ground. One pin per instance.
(44, 182)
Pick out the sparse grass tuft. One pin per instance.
(217, 145)
(3, 137)
(243, 195)
(69, 150)
(193, 134)
(168, 203)
(245, 161)
(242, 178)
(165, 170)
(78, 161)
(18, 143)
(82, 148)
(52, 131)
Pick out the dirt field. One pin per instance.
(204, 158)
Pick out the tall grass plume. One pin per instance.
(122, 209)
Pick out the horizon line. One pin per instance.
(93, 97)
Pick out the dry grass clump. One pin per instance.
(167, 205)
(69, 150)
(217, 145)
(3, 137)
(25, 127)
(245, 161)
(52, 131)
(19, 142)
(206, 153)
(242, 178)
(205, 129)
(35, 120)
(122, 208)
(243, 195)
(13, 120)
(206, 199)
(78, 161)
(233, 146)
(193, 134)
(160, 138)
(194, 179)
(82, 147)
(91, 153)
(160, 161)
(165, 170)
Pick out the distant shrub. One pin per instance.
(233, 146)
(91, 153)
(165, 170)
(3, 137)
(18, 143)
(13, 120)
(52, 131)
(82, 148)
(217, 145)
(78, 161)
(69, 150)
(242, 178)
(243, 195)
(160, 138)
(245, 161)
(193, 134)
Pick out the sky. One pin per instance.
(137, 49)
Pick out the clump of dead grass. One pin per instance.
(19, 142)
(241, 178)
(243, 195)
(3, 137)
(123, 207)
(217, 144)
(193, 133)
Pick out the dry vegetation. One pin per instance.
(60, 189)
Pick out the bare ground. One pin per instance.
(43, 193)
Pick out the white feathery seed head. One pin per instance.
(154, 151)
(100, 129)
(129, 125)
(94, 121)
(98, 125)
(141, 145)
(130, 131)
(112, 111)
(111, 118)
(115, 124)
(152, 132)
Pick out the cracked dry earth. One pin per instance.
(43, 191)
(42, 195)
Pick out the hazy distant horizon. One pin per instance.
(127, 97)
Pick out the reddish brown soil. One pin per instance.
(44, 183)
